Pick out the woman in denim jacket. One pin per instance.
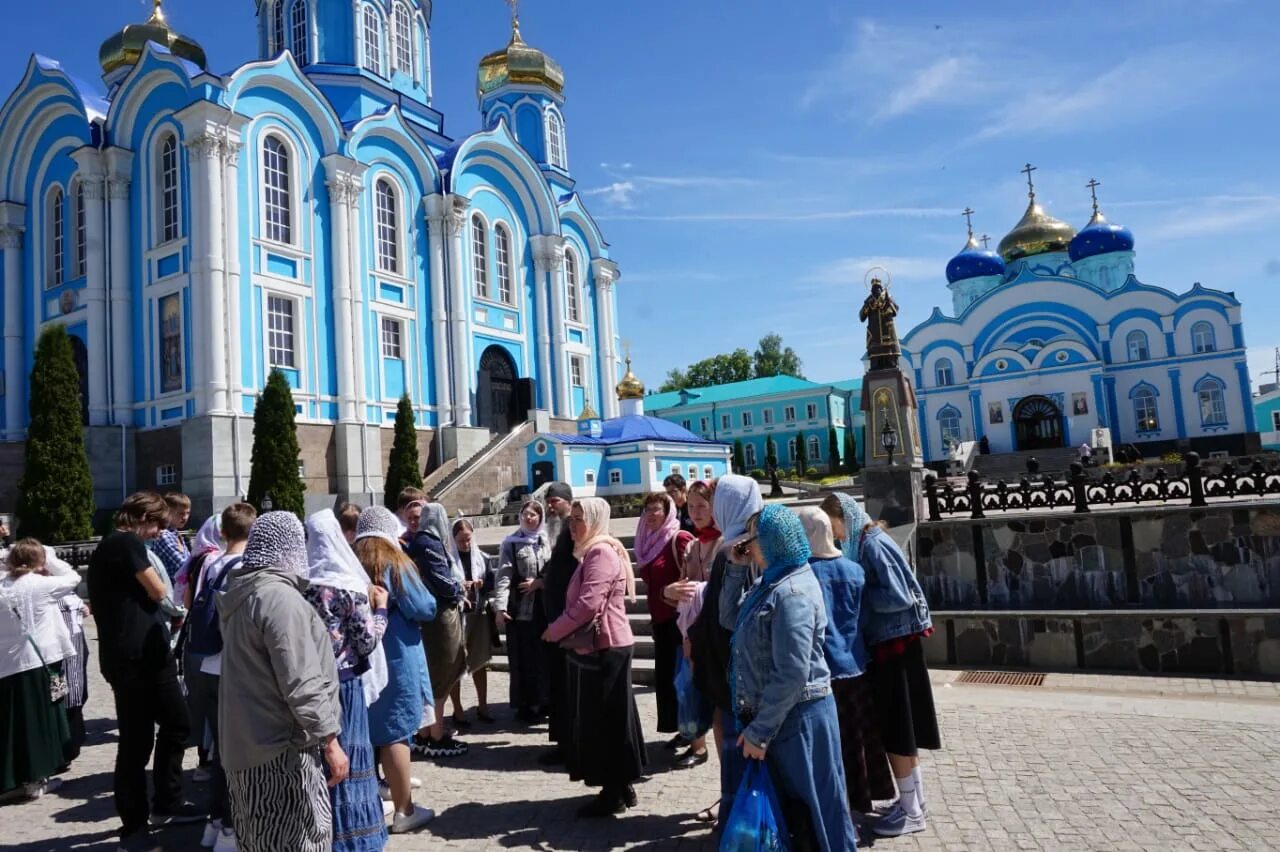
(895, 617)
(780, 681)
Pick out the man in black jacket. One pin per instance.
(555, 579)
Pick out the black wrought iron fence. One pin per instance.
(1082, 489)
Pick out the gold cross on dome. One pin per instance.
(984, 239)
(1093, 185)
(967, 213)
(515, 11)
(1031, 187)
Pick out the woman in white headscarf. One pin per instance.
(355, 614)
(518, 602)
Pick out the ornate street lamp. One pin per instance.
(889, 440)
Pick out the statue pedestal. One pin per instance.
(893, 485)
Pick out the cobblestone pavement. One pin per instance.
(1086, 762)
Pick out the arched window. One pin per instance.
(943, 374)
(170, 227)
(502, 263)
(402, 40)
(387, 226)
(82, 233)
(57, 219)
(1137, 345)
(277, 205)
(572, 294)
(791, 449)
(1213, 402)
(372, 30)
(301, 37)
(815, 449)
(749, 455)
(480, 257)
(277, 27)
(555, 140)
(1203, 338)
(1146, 415)
(949, 426)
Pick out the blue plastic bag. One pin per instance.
(755, 824)
(693, 711)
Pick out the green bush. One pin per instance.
(1172, 458)
(55, 491)
(403, 469)
(274, 467)
(757, 473)
(811, 473)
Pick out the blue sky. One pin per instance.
(749, 160)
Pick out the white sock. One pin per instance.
(907, 798)
(919, 781)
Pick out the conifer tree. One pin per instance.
(739, 457)
(833, 450)
(55, 492)
(403, 469)
(802, 456)
(850, 451)
(274, 469)
(770, 453)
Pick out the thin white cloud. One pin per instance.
(1225, 214)
(781, 216)
(619, 193)
(928, 85)
(627, 186)
(849, 271)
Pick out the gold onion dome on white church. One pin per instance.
(1036, 232)
(630, 387)
(126, 47)
(518, 63)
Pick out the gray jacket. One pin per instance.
(279, 685)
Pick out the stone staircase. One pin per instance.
(1011, 467)
(495, 470)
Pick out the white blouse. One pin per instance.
(30, 605)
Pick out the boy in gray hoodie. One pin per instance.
(278, 713)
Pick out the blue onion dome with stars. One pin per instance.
(1099, 236)
(974, 261)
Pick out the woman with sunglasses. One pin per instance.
(780, 682)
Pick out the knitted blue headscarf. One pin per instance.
(855, 519)
(785, 546)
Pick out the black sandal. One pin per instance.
(706, 815)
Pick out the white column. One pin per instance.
(558, 334)
(458, 313)
(95, 293)
(605, 272)
(359, 316)
(344, 187)
(15, 379)
(436, 225)
(546, 374)
(120, 286)
(231, 245)
(208, 345)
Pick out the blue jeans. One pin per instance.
(808, 767)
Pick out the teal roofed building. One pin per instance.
(790, 410)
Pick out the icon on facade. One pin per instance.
(995, 412)
(1079, 403)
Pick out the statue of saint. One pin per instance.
(878, 312)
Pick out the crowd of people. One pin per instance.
(306, 664)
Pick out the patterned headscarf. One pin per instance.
(817, 526)
(782, 540)
(208, 539)
(435, 522)
(736, 500)
(855, 519)
(378, 522)
(277, 541)
(596, 511)
(649, 543)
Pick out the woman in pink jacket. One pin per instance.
(606, 747)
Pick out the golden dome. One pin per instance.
(630, 387)
(588, 413)
(1036, 233)
(518, 63)
(125, 47)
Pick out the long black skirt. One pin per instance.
(525, 656)
(33, 730)
(606, 746)
(904, 702)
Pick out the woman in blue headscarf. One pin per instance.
(780, 682)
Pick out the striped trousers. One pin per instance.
(283, 805)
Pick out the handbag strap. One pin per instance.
(30, 639)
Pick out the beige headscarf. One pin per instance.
(595, 511)
(817, 527)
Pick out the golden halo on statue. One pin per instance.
(871, 277)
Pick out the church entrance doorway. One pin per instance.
(496, 387)
(1038, 423)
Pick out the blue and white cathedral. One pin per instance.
(303, 212)
(1054, 336)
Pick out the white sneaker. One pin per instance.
(36, 789)
(415, 783)
(388, 808)
(226, 841)
(412, 821)
(212, 829)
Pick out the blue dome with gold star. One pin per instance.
(1100, 237)
(974, 261)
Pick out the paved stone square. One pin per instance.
(1084, 762)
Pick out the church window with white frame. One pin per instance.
(726, 422)
(1203, 339)
(943, 373)
(392, 338)
(815, 448)
(573, 296)
(1213, 402)
(555, 140)
(811, 411)
(387, 226)
(767, 416)
(1136, 343)
(371, 30)
(615, 477)
(82, 233)
(746, 420)
(276, 35)
(402, 40)
(1146, 414)
(57, 219)
(280, 332)
(480, 256)
(170, 213)
(502, 263)
(789, 413)
(792, 451)
(949, 426)
(577, 370)
(749, 455)
(277, 191)
(301, 33)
